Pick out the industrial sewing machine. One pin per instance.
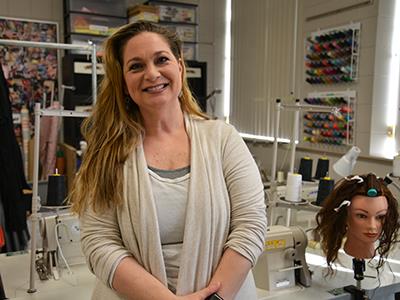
(60, 234)
(283, 263)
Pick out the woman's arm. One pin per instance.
(103, 248)
(248, 216)
(135, 283)
(232, 270)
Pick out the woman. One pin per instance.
(171, 203)
(360, 211)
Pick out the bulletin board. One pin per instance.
(31, 72)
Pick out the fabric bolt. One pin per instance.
(12, 177)
(225, 209)
(49, 127)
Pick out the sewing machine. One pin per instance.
(283, 263)
(61, 244)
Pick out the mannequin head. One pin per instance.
(365, 216)
(363, 210)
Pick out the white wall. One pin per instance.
(367, 16)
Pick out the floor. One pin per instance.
(15, 274)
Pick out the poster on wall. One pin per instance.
(31, 72)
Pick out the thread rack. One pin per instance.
(332, 55)
(326, 128)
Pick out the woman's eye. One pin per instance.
(361, 216)
(135, 67)
(162, 59)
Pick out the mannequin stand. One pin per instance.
(357, 292)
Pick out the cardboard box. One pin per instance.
(70, 164)
(143, 13)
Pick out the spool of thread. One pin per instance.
(396, 166)
(305, 168)
(56, 191)
(325, 187)
(293, 187)
(281, 176)
(322, 168)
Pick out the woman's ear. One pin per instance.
(181, 67)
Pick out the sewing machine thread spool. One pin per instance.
(281, 177)
(56, 191)
(322, 167)
(325, 187)
(293, 187)
(306, 168)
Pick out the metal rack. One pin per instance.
(316, 131)
(297, 107)
(90, 48)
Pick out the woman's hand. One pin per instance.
(202, 294)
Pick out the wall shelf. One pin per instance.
(326, 128)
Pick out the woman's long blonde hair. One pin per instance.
(113, 129)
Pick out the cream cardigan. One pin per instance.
(225, 209)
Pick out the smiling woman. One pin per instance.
(171, 203)
(360, 211)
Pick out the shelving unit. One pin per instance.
(332, 55)
(92, 20)
(182, 18)
(326, 128)
(90, 49)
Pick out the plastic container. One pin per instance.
(81, 39)
(189, 51)
(187, 33)
(94, 25)
(101, 7)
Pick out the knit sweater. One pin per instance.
(225, 209)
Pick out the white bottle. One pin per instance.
(396, 166)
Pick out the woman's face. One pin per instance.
(365, 218)
(153, 76)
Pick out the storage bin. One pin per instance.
(102, 7)
(189, 51)
(187, 33)
(175, 13)
(82, 39)
(93, 24)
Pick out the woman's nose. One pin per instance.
(152, 72)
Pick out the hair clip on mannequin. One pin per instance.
(372, 192)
